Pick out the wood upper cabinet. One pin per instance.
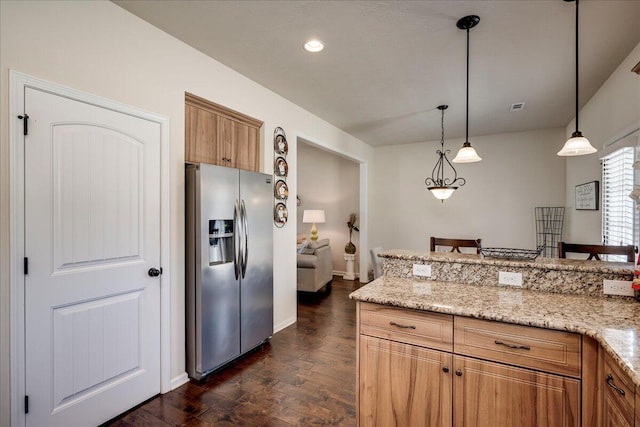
(618, 395)
(494, 394)
(220, 136)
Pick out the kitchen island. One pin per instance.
(482, 353)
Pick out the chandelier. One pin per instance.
(439, 185)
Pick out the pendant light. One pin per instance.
(577, 145)
(442, 188)
(467, 153)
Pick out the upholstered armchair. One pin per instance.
(315, 267)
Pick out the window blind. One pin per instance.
(619, 215)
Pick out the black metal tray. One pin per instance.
(511, 253)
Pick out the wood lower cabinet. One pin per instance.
(618, 396)
(498, 376)
(493, 394)
(219, 136)
(403, 385)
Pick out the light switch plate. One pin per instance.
(617, 287)
(422, 270)
(510, 279)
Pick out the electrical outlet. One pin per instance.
(422, 270)
(508, 278)
(617, 287)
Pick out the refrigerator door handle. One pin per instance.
(245, 237)
(236, 241)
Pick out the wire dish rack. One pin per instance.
(512, 254)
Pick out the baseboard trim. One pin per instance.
(181, 379)
(280, 326)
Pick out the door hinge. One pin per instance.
(25, 123)
(26, 404)
(26, 265)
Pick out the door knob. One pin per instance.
(154, 272)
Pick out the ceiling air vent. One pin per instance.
(517, 106)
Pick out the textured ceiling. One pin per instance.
(388, 64)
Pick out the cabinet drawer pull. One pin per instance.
(458, 372)
(445, 369)
(613, 386)
(402, 326)
(506, 344)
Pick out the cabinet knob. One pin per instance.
(445, 369)
(458, 372)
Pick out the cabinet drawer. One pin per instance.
(619, 391)
(543, 349)
(425, 329)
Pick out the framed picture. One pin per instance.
(587, 196)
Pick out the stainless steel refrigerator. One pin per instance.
(229, 264)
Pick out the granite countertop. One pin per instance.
(563, 264)
(614, 323)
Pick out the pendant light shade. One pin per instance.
(467, 154)
(577, 145)
(442, 193)
(439, 185)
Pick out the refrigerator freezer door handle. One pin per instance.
(245, 237)
(236, 241)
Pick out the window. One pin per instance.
(619, 214)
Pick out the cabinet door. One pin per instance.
(201, 128)
(403, 385)
(245, 147)
(619, 396)
(224, 140)
(492, 394)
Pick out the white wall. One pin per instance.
(613, 108)
(102, 49)
(518, 172)
(330, 182)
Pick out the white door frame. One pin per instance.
(363, 167)
(18, 82)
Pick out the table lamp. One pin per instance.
(313, 217)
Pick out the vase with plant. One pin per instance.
(350, 248)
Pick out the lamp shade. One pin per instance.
(442, 193)
(467, 154)
(313, 216)
(577, 145)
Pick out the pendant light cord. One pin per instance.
(442, 127)
(577, 85)
(466, 140)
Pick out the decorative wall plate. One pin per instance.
(280, 145)
(281, 168)
(280, 215)
(278, 131)
(281, 191)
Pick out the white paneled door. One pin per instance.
(92, 233)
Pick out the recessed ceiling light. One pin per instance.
(313, 46)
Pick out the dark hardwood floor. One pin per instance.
(305, 376)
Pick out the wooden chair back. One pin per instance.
(595, 251)
(455, 244)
